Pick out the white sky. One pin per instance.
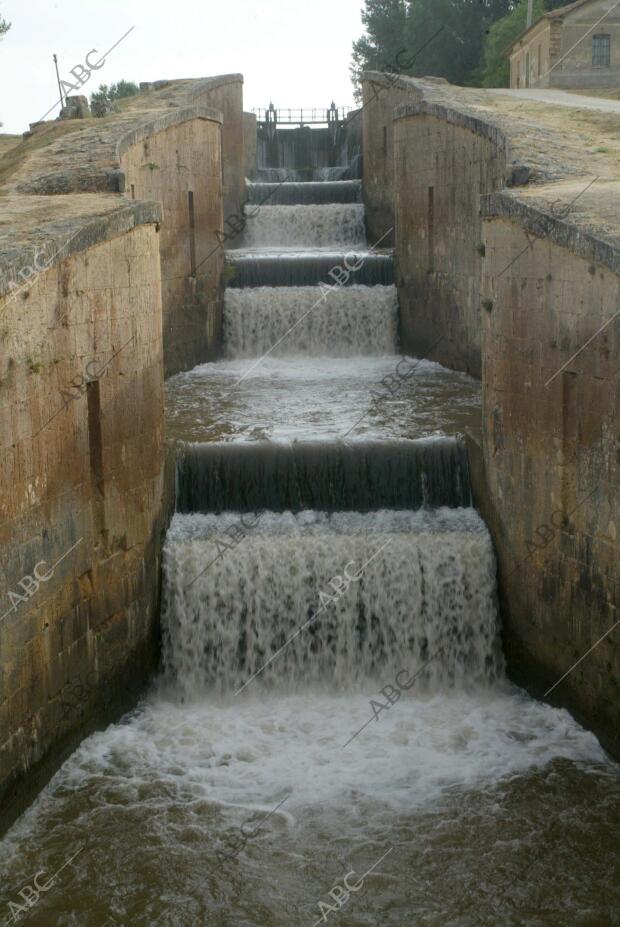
(294, 53)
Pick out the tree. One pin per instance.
(445, 38)
(4, 27)
(456, 50)
(102, 100)
(385, 22)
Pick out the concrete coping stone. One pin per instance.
(46, 243)
(517, 174)
(391, 80)
(190, 86)
(213, 83)
(90, 161)
(535, 219)
(595, 237)
(164, 121)
(455, 117)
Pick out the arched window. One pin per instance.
(601, 51)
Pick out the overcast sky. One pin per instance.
(294, 53)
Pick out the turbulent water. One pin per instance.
(332, 702)
(312, 174)
(338, 191)
(325, 226)
(356, 320)
(330, 398)
(307, 268)
(475, 805)
(373, 594)
(341, 476)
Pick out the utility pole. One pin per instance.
(530, 13)
(58, 79)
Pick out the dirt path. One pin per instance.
(563, 98)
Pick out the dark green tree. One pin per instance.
(4, 27)
(385, 22)
(455, 52)
(124, 88)
(102, 100)
(441, 38)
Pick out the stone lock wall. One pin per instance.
(82, 494)
(180, 166)
(167, 142)
(442, 165)
(380, 97)
(225, 94)
(250, 144)
(552, 459)
(508, 267)
(86, 482)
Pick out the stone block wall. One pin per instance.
(442, 164)
(380, 97)
(225, 94)
(552, 457)
(167, 142)
(250, 143)
(86, 485)
(180, 166)
(82, 501)
(478, 294)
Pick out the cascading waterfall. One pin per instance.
(306, 268)
(330, 174)
(333, 685)
(328, 476)
(283, 194)
(427, 581)
(351, 171)
(305, 154)
(355, 320)
(277, 175)
(331, 225)
(421, 596)
(301, 148)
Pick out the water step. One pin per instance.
(351, 171)
(341, 191)
(329, 476)
(331, 225)
(301, 268)
(350, 321)
(421, 598)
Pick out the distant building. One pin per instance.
(575, 46)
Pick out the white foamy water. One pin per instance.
(495, 809)
(448, 779)
(250, 752)
(424, 592)
(350, 321)
(325, 226)
(333, 774)
(313, 397)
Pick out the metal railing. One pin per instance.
(309, 116)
